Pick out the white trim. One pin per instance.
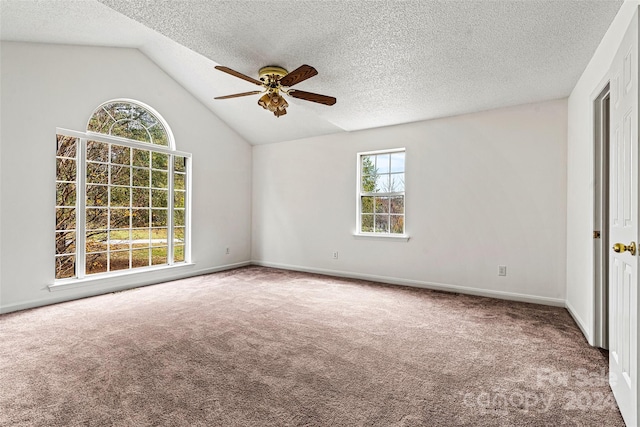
(511, 296)
(391, 150)
(381, 236)
(121, 141)
(93, 291)
(581, 324)
(62, 284)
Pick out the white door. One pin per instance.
(623, 262)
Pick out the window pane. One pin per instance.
(130, 129)
(366, 204)
(65, 267)
(97, 173)
(159, 198)
(120, 155)
(368, 165)
(96, 241)
(139, 218)
(119, 260)
(140, 197)
(179, 181)
(96, 263)
(65, 219)
(382, 163)
(66, 146)
(141, 158)
(97, 219)
(140, 177)
(382, 183)
(382, 204)
(382, 223)
(368, 183)
(100, 121)
(120, 175)
(65, 194)
(139, 258)
(178, 253)
(397, 162)
(119, 239)
(396, 184)
(66, 242)
(159, 236)
(397, 205)
(97, 195)
(141, 238)
(159, 179)
(367, 223)
(159, 217)
(159, 161)
(178, 217)
(179, 164)
(65, 170)
(97, 151)
(178, 235)
(159, 255)
(119, 218)
(120, 196)
(178, 199)
(397, 224)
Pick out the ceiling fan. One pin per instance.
(274, 80)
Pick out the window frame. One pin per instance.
(81, 171)
(360, 193)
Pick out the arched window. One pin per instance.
(122, 194)
(130, 119)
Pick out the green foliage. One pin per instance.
(368, 174)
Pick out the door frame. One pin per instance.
(601, 217)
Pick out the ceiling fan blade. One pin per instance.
(298, 75)
(313, 97)
(238, 74)
(236, 95)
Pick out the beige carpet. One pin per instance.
(264, 347)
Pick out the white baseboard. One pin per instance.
(581, 324)
(512, 296)
(89, 292)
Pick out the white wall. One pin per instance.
(48, 86)
(483, 190)
(580, 177)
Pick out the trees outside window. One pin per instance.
(121, 203)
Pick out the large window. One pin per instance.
(381, 192)
(122, 194)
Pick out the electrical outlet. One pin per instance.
(227, 251)
(335, 254)
(502, 270)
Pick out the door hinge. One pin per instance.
(596, 234)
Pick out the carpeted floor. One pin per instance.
(264, 347)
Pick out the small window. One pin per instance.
(381, 194)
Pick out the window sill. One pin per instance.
(372, 236)
(110, 278)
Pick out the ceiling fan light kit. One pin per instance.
(274, 80)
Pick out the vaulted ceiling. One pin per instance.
(387, 62)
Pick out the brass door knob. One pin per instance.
(621, 247)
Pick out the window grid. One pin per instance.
(66, 206)
(381, 192)
(109, 240)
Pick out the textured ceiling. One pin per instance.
(387, 62)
